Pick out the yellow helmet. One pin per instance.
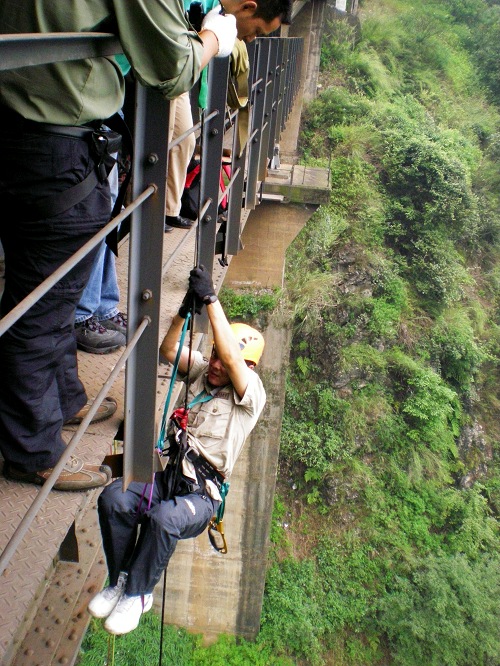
(250, 340)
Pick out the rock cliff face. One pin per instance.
(475, 454)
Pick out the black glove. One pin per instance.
(200, 282)
(187, 304)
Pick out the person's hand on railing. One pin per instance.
(224, 28)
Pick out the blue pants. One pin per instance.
(101, 295)
(40, 388)
(161, 527)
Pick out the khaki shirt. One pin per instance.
(217, 429)
(164, 52)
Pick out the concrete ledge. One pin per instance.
(298, 184)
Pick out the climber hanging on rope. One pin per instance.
(223, 402)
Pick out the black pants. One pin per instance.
(39, 387)
(161, 527)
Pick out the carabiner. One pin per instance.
(213, 527)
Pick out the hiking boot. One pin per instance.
(104, 602)
(127, 613)
(178, 222)
(94, 338)
(116, 323)
(105, 411)
(75, 475)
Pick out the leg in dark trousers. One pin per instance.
(161, 527)
(38, 354)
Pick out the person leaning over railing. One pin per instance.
(55, 198)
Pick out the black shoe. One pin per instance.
(94, 338)
(116, 323)
(178, 222)
(167, 228)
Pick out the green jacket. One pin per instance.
(162, 48)
(203, 94)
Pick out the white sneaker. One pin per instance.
(127, 613)
(104, 602)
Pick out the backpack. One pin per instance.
(191, 194)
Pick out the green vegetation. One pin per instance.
(248, 304)
(390, 432)
(141, 648)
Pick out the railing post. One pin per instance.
(144, 294)
(268, 107)
(258, 106)
(277, 102)
(211, 159)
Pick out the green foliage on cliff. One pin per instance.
(386, 532)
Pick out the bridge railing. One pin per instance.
(273, 84)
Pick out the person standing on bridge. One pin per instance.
(55, 197)
(226, 398)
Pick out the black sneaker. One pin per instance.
(116, 323)
(94, 338)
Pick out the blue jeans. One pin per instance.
(40, 388)
(102, 295)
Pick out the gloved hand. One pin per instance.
(200, 283)
(224, 28)
(187, 304)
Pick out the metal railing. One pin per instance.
(274, 79)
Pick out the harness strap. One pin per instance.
(58, 203)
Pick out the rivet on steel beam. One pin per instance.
(147, 295)
(153, 158)
(214, 132)
(208, 218)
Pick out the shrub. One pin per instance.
(445, 613)
(293, 621)
(454, 346)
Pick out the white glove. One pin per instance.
(224, 28)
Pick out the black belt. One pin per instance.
(10, 120)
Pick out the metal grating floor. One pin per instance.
(27, 579)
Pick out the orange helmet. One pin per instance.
(250, 340)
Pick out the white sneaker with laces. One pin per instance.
(127, 613)
(104, 602)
